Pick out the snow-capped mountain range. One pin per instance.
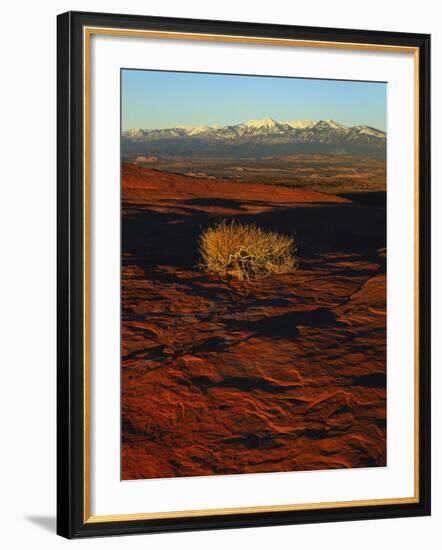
(263, 135)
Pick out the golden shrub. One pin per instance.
(246, 251)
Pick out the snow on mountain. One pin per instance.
(264, 126)
(335, 125)
(259, 127)
(134, 133)
(301, 123)
(260, 123)
(302, 135)
(164, 133)
(195, 130)
(328, 125)
(369, 131)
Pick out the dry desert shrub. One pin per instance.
(246, 251)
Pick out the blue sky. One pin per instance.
(163, 99)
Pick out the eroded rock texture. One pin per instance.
(280, 374)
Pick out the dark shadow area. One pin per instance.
(253, 441)
(217, 202)
(285, 326)
(242, 383)
(211, 345)
(374, 380)
(371, 198)
(240, 204)
(48, 523)
(151, 238)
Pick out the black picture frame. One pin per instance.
(71, 520)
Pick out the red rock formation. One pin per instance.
(280, 374)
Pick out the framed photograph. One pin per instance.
(243, 274)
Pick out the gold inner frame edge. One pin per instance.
(87, 33)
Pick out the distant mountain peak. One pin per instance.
(329, 123)
(337, 125)
(267, 122)
(134, 133)
(264, 135)
(195, 130)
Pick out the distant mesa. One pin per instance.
(256, 136)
